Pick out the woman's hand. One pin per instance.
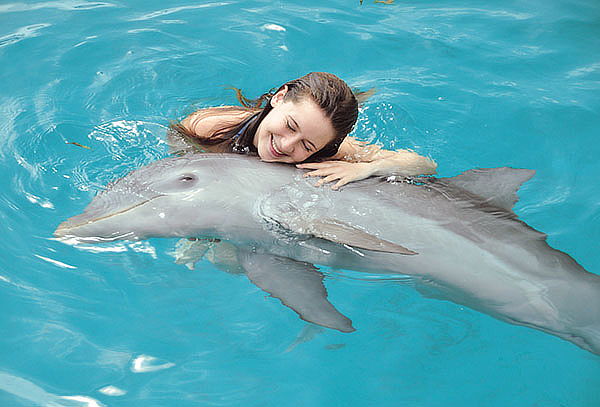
(342, 171)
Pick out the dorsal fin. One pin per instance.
(498, 186)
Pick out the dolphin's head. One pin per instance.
(177, 197)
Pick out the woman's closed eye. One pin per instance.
(289, 126)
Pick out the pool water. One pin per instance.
(469, 83)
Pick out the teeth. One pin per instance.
(274, 147)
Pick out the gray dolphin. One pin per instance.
(458, 237)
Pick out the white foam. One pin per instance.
(112, 391)
(55, 262)
(273, 27)
(145, 364)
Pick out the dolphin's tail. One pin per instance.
(572, 311)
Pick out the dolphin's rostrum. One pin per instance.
(458, 235)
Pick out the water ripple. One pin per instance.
(121, 145)
(29, 391)
(167, 11)
(10, 109)
(472, 11)
(59, 5)
(584, 70)
(22, 33)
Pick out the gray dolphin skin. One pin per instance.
(457, 237)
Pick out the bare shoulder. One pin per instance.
(204, 123)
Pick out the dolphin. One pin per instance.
(457, 237)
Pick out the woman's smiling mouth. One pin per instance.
(275, 152)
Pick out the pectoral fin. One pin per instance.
(298, 286)
(343, 233)
(286, 210)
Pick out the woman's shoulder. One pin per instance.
(203, 123)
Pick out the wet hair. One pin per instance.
(330, 93)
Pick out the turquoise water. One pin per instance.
(469, 83)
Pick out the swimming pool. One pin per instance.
(469, 83)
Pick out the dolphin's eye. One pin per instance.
(175, 182)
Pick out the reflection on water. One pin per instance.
(112, 391)
(145, 363)
(26, 390)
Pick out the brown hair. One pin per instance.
(329, 92)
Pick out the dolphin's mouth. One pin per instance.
(68, 228)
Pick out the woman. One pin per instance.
(306, 122)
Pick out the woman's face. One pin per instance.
(292, 131)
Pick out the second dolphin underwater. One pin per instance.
(458, 235)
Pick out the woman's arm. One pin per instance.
(357, 160)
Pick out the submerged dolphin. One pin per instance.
(457, 236)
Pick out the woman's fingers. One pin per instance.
(341, 183)
(327, 179)
(317, 173)
(342, 171)
(319, 165)
(324, 168)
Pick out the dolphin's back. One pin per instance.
(459, 233)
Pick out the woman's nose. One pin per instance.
(289, 143)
